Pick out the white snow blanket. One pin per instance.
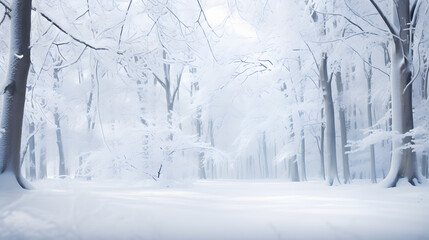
(65, 209)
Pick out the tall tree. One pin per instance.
(404, 163)
(368, 73)
(343, 129)
(331, 149)
(14, 92)
(62, 169)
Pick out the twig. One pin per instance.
(47, 18)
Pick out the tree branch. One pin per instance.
(123, 24)
(340, 15)
(330, 78)
(205, 17)
(312, 54)
(386, 21)
(6, 14)
(414, 13)
(179, 79)
(47, 18)
(159, 80)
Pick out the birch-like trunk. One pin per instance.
(14, 92)
(264, 149)
(201, 164)
(212, 144)
(322, 146)
(343, 129)
(303, 172)
(43, 171)
(292, 161)
(368, 73)
(331, 154)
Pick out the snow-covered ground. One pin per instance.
(64, 209)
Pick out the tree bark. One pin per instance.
(201, 165)
(212, 144)
(343, 129)
(32, 153)
(14, 92)
(425, 79)
(322, 146)
(368, 73)
(292, 161)
(62, 172)
(43, 173)
(303, 171)
(330, 123)
(404, 162)
(264, 149)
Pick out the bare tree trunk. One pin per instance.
(343, 129)
(425, 171)
(368, 73)
(321, 146)
(201, 167)
(425, 79)
(62, 172)
(404, 161)
(83, 169)
(62, 164)
(43, 173)
(195, 87)
(14, 92)
(293, 169)
(32, 153)
(170, 96)
(292, 162)
(212, 144)
(330, 122)
(303, 171)
(264, 149)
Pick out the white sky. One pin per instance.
(233, 23)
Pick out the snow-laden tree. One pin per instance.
(402, 29)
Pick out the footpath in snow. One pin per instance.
(61, 209)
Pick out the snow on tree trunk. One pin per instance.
(331, 154)
(42, 154)
(292, 161)
(264, 149)
(343, 129)
(303, 172)
(368, 73)
(322, 146)
(62, 171)
(425, 79)
(201, 164)
(403, 164)
(14, 93)
(404, 161)
(212, 144)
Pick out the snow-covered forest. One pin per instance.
(245, 119)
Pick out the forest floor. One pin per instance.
(66, 209)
